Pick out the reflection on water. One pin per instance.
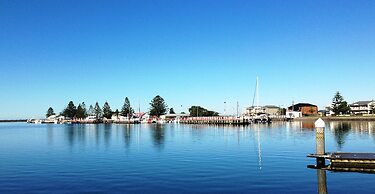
(50, 134)
(340, 131)
(322, 181)
(127, 132)
(107, 134)
(158, 132)
(76, 134)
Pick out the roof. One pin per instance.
(296, 106)
(267, 106)
(364, 102)
(303, 104)
(271, 106)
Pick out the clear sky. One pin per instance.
(204, 52)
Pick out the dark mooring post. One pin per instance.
(320, 144)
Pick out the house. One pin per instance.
(268, 109)
(293, 114)
(306, 109)
(362, 107)
(323, 113)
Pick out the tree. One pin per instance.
(171, 111)
(198, 111)
(107, 112)
(158, 106)
(81, 111)
(282, 111)
(90, 111)
(127, 110)
(372, 107)
(50, 112)
(97, 111)
(70, 111)
(339, 105)
(117, 113)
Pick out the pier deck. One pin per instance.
(348, 159)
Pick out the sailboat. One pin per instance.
(257, 113)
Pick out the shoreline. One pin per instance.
(340, 118)
(13, 121)
(312, 119)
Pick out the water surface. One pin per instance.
(174, 158)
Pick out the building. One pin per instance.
(293, 114)
(268, 109)
(323, 113)
(306, 109)
(362, 107)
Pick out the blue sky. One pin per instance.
(189, 52)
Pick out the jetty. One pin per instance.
(350, 161)
(233, 120)
(347, 159)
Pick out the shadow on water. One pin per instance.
(341, 131)
(158, 135)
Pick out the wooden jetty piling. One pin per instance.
(320, 141)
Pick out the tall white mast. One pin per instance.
(257, 91)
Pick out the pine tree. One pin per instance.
(117, 112)
(339, 105)
(127, 110)
(90, 112)
(107, 112)
(50, 112)
(171, 111)
(81, 111)
(158, 106)
(97, 111)
(70, 111)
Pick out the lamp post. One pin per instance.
(225, 103)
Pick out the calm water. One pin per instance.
(174, 158)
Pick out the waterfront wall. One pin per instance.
(338, 118)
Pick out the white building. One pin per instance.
(268, 109)
(293, 114)
(362, 107)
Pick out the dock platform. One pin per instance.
(348, 159)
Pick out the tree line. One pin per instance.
(157, 107)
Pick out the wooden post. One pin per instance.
(320, 141)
